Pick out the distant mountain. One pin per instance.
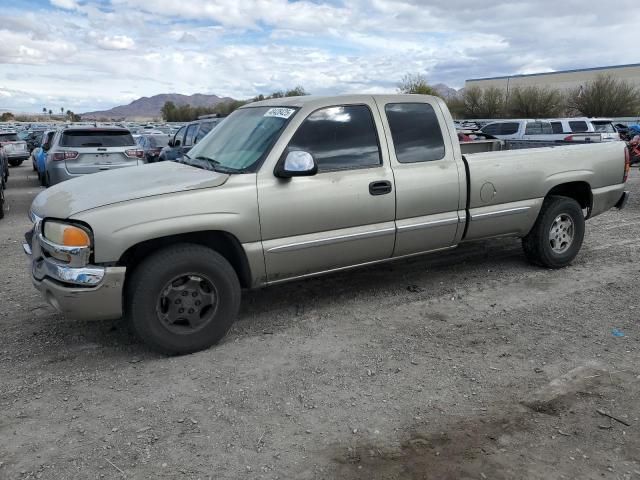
(445, 91)
(149, 107)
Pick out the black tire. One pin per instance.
(42, 177)
(538, 246)
(145, 294)
(15, 163)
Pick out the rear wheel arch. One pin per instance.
(222, 242)
(580, 191)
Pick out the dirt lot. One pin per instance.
(469, 365)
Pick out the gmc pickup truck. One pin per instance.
(290, 188)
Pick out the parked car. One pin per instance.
(580, 129)
(152, 145)
(4, 166)
(33, 138)
(290, 188)
(78, 151)
(527, 129)
(15, 149)
(187, 136)
(606, 129)
(39, 156)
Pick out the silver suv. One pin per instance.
(77, 151)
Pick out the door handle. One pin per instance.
(381, 187)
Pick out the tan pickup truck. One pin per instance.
(290, 188)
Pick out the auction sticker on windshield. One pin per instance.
(280, 112)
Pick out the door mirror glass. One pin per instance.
(176, 143)
(297, 163)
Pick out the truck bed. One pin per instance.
(506, 188)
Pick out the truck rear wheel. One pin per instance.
(15, 163)
(182, 299)
(556, 237)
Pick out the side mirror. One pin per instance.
(297, 163)
(176, 142)
(46, 146)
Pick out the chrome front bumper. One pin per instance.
(79, 291)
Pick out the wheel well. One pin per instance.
(224, 243)
(579, 191)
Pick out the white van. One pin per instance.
(602, 126)
(553, 129)
(524, 129)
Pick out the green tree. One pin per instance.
(606, 96)
(168, 111)
(298, 91)
(472, 101)
(455, 103)
(225, 108)
(416, 83)
(7, 117)
(492, 102)
(50, 112)
(532, 102)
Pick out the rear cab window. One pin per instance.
(509, 128)
(578, 126)
(491, 129)
(538, 128)
(603, 127)
(96, 138)
(415, 132)
(556, 127)
(339, 138)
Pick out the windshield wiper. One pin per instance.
(216, 165)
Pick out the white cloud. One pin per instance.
(66, 4)
(88, 53)
(115, 42)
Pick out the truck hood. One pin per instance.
(121, 185)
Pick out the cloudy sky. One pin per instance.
(93, 54)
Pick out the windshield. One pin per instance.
(242, 139)
(8, 137)
(159, 140)
(603, 127)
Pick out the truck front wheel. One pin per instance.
(556, 237)
(182, 299)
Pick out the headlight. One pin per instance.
(66, 235)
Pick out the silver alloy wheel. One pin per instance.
(562, 233)
(187, 303)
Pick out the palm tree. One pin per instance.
(50, 112)
(61, 110)
(44, 110)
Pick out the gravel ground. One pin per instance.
(465, 365)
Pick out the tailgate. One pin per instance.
(95, 149)
(15, 148)
(93, 160)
